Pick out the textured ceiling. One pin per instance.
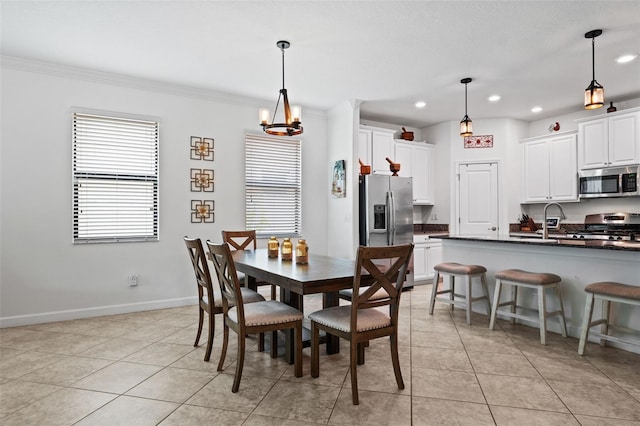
(388, 54)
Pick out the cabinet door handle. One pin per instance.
(493, 228)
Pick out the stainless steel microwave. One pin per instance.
(609, 182)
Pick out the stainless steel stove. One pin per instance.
(609, 226)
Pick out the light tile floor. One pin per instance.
(142, 369)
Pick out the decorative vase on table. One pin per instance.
(287, 249)
(273, 247)
(302, 252)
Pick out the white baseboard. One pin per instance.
(99, 311)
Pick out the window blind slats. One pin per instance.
(273, 185)
(115, 179)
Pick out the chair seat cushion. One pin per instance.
(248, 296)
(459, 269)
(608, 288)
(266, 312)
(339, 318)
(348, 293)
(520, 276)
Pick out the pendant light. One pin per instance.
(594, 93)
(466, 128)
(292, 115)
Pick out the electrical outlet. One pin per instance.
(133, 280)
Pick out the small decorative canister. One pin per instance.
(287, 249)
(273, 247)
(302, 252)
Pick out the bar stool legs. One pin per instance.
(607, 292)
(467, 273)
(538, 281)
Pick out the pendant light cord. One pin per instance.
(282, 50)
(593, 58)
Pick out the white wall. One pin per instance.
(342, 227)
(43, 275)
(450, 151)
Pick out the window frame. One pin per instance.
(116, 157)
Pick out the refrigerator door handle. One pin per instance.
(392, 228)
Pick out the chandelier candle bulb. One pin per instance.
(287, 249)
(264, 115)
(302, 252)
(273, 247)
(296, 112)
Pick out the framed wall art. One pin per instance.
(339, 181)
(201, 148)
(480, 141)
(202, 211)
(201, 180)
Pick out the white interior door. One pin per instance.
(478, 199)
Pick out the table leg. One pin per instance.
(250, 282)
(333, 342)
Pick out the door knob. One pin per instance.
(493, 228)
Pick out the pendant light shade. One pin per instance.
(466, 127)
(594, 93)
(292, 115)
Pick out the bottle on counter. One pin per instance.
(273, 247)
(302, 252)
(287, 249)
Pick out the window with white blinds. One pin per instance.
(115, 179)
(273, 182)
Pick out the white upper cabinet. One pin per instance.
(550, 169)
(376, 144)
(416, 160)
(364, 147)
(609, 141)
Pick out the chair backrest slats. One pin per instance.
(200, 268)
(240, 240)
(227, 277)
(389, 279)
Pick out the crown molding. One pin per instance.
(156, 86)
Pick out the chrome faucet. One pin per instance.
(545, 230)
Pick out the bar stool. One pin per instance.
(467, 273)
(537, 281)
(607, 292)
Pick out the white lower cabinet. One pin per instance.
(426, 254)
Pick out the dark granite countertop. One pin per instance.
(560, 242)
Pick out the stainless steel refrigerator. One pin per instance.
(386, 212)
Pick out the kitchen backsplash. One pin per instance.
(430, 227)
(564, 227)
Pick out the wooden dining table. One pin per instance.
(322, 274)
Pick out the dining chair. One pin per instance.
(369, 316)
(243, 319)
(209, 299)
(245, 240)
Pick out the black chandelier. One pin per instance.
(466, 127)
(292, 125)
(594, 93)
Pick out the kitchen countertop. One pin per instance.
(433, 234)
(534, 240)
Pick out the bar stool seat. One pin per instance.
(608, 292)
(538, 281)
(467, 273)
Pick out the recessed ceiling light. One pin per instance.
(494, 98)
(421, 104)
(626, 58)
(536, 109)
